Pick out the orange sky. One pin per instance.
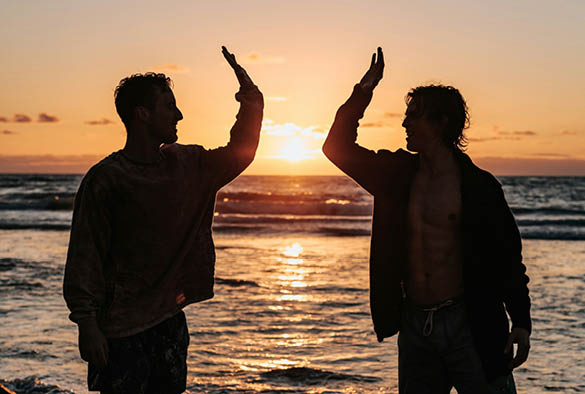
(519, 66)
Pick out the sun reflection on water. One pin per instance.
(294, 250)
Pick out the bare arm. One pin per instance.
(340, 146)
(229, 161)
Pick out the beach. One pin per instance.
(291, 306)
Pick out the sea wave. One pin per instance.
(312, 376)
(35, 226)
(33, 385)
(546, 211)
(567, 235)
(49, 203)
(552, 230)
(235, 282)
(551, 222)
(294, 207)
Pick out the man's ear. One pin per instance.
(142, 114)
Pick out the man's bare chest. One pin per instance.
(435, 203)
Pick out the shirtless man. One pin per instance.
(445, 256)
(141, 247)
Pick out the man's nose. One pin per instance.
(179, 114)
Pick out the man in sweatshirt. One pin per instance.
(141, 247)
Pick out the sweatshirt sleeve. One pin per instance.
(227, 162)
(514, 278)
(341, 148)
(84, 286)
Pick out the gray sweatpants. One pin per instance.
(436, 352)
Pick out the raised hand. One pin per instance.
(243, 77)
(248, 92)
(374, 74)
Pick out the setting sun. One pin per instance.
(294, 150)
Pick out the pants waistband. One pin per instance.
(457, 300)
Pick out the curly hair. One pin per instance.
(437, 102)
(139, 90)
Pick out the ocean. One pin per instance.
(291, 310)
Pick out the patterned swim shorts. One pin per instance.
(153, 361)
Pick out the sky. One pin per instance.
(520, 66)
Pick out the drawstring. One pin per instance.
(428, 328)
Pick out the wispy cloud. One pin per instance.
(518, 132)
(532, 165)
(291, 129)
(276, 98)
(482, 139)
(47, 163)
(568, 132)
(101, 122)
(552, 155)
(46, 118)
(393, 115)
(21, 118)
(171, 68)
(9, 132)
(257, 58)
(496, 135)
(373, 124)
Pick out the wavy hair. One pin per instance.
(438, 102)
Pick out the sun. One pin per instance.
(294, 150)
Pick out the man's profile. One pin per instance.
(445, 258)
(141, 247)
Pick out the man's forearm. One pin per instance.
(343, 134)
(245, 134)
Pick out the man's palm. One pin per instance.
(374, 74)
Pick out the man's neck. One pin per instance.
(438, 160)
(141, 149)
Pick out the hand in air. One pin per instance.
(248, 92)
(374, 74)
(522, 338)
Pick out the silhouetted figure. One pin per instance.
(141, 247)
(445, 255)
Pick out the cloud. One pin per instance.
(291, 129)
(532, 165)
(171, 68)
(21, 118)
(518, 132)
(568, 132)
(47, 164)
(482, 139)
(374, 124)
(496, 135)
(313, 132)
(3, 119)
(101, 122)
(9, 132)
(256, 58)
(393, 115)
(45, 118)
(552, 155)
(276, 98)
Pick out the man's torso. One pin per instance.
(434, 254)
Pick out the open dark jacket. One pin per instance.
(494, 275)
